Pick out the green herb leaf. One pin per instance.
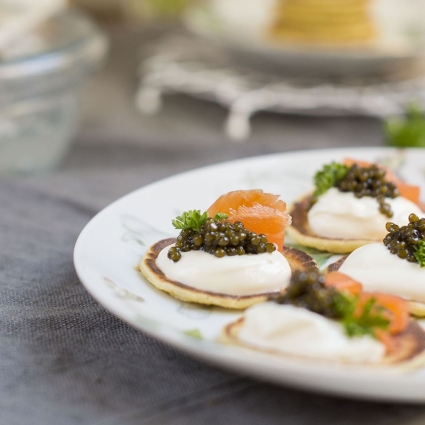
(193, 219)
(220, 216)
(165, 8)
(328, 176)
(408, 131)
(420, 253)
(344, 305)
(194, 333)
(321, 257)
(370, 319)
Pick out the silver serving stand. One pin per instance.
(191, 65)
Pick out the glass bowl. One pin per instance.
(41, 85)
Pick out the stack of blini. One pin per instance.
(326, 22)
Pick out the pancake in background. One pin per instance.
(329, 22)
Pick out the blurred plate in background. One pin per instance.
(398, 50)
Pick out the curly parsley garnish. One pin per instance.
(420, 253)
(371, 318)
(328, 176)
(193, 219)
(408, 131)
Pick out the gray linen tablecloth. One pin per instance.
(64, 359)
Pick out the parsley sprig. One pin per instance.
(193, 219)
(408, 131)
(371, 318)
(328, 176)
(420, 253)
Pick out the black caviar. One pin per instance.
(220, 239)
(307, 290)
(404, 241)
(369, 181)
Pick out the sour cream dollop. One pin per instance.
(297, 331)
(237, 275)
(341, 215)
(378, 270)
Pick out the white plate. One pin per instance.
(112, 244)
(390, 54)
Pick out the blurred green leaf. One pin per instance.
(408, 131)
(168, 8)
(420, 253)
(321, 257)
(194, 333)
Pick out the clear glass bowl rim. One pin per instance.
(90, 48)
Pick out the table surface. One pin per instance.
(64, 359)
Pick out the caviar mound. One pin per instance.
(404, 241)
(410, 192)
(220, 239)
(298, 261)
(262, 213)
(369, 181)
